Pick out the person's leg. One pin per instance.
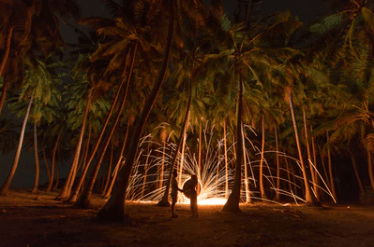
(174, 201)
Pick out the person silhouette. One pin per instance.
(190, 191)
(174, 193)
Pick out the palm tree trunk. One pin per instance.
(370, 168)
(114, 209)
(277, 198)
(5, 187)
(145, 171)
(311, 169)
(331, 177)
(232, 203)
(164, 202)
(3, 65)
(246, 184)
(115, 172)
(354, 164)
(53, 165)
(107, 180)
(315, 170)
(66, 190)
(182, 159)
(46, 165)
(309, 198)
(226, 159)
(84, 200)
(36, 182)
(261, 174)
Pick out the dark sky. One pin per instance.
(306, 10)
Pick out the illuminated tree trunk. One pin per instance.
(232, 203)
(162, 168)
(331, 177)
(277, 198)
(120, 160)
(114, 209)
(246, 185)
(5, 187)
(36, 181)
(107, 180)
(85, 198)
(311, 168)
(315, 170)
(3, 65)
(182, 158)
(261, 175)
(200, 147)
(66, 190)
(309, 198)
(226, 159)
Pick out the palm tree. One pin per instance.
(114, 209)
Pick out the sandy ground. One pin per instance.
(38, 220)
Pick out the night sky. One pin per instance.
(306, 10)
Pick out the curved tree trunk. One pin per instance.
(5, 187)
(2, 67)
(66, 190)
(53, 165)
(115, 172)
(85, 199)
(370, 168)
(36, 182)
(107, 180)
(114, 209)
(164, 202)
(315, 170)
(232, 203)
(309, 198)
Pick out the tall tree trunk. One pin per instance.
(331, 175)
(277, 197)
(370, 168)
(226, 159)
(315, 170)
(74, 196)
(232, 203)
(36, 181)
(107, 180)
(85, 198)
(2, 67)
(182, 159)
(200, 147)
(120, 159)
(47, 166)
(354, 164)
(246, 184)
(5, 187)
(162, 169)
(114, 209)
(261, 169)
(53, 164)
(310, 163)
(66, 190)
(309, 197)
(164, 202)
